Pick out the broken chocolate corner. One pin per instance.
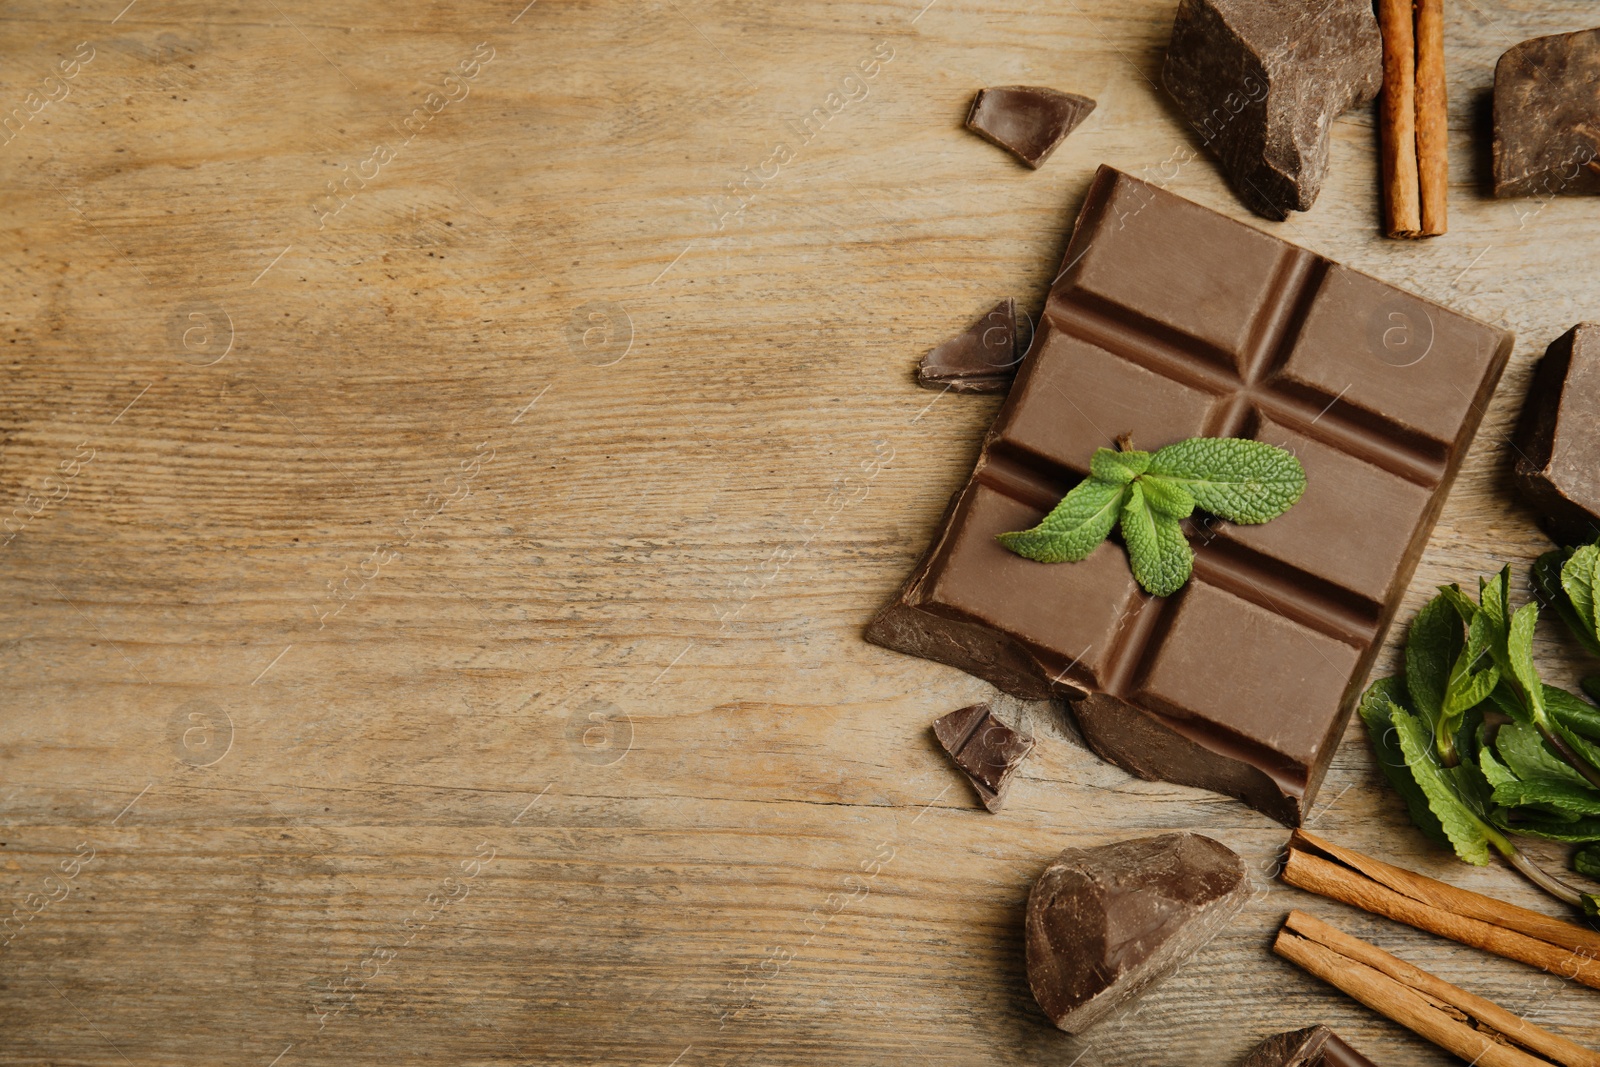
(1029, 121)
(1261, 83)
(1105, 923)
(1557, 469)
(1315, 1046)
(1546, 97)
(986, 749)
(983, 359)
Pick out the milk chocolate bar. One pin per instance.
(1169, 321)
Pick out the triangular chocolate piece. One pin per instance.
(981, 360)
(1297, 1048)
(985, 749)
(1029, 121)
(1315, 1046)
(1104, 923)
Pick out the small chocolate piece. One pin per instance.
(1557, 469)
(1171, 321)
(986, 749)
(1261, 81)
(1546, 99)
(983, 359)
(1315, 1046)
(1029, 121)
(1105, 923)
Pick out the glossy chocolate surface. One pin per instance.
(986, 750)
(1029, 121)
(1315, 1046)
(981, 359)
(1105, 923)
(1170, 321)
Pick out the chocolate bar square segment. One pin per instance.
(1027, 628)
(1282, 693)
(1381, 511)
(1171, 321)
(1557, 466)
(1214, 274)
(1081, 397)
(985, 749)
(1417, 374)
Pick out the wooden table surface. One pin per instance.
(432, 610)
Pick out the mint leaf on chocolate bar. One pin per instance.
(1075, 527)
(1161, 557)
(1232, 478)
(1169, 498)
(1120, 468)
(1243, 481)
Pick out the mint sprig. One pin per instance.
(1482, 750)
(1150, 494)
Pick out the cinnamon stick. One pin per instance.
(1433, 166)
(1399, 1002)
(1490, 1014)
(1451, 898)
(1448, 912)
(1397, 119)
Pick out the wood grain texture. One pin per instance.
(449, 642)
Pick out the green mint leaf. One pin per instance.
(1495, 772)
(1375, 710)
(1473, 690)
(1120, 468)
(1581, 832)
(1494, 597)
(1160, 555)
(1234, 479)
(1573, 712)
(1074, 528)
(1460, 601)
(1562, 799)
(1433, 651)
(1546, 574)
(1578, 581)
(1586, 861)
(1167, 497)
(1504, 699)
(1519, 656)
(1522, 748)
(1469, 834)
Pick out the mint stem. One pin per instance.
(1542, 878)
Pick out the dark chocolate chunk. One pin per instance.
(1261, 81)
(1105, 923)
(1168, 322)
(1029, 121)
(986, 749)
(1315, 1046)
(983, 359)
(1546, 106)
(1557, 469)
